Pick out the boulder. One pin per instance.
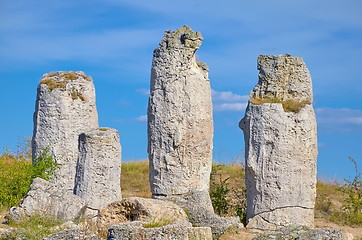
(99, 168)
(302, 233)
(196, 206)
(65, 107)
(140, 209)
(140, 230)
(280, 135)
(180, 122)
(73, 234)
(46, 198)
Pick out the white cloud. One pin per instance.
(142, 118)
(230, 107)
(227, 101)
(227, 96)
(143, 91)
(343, 120)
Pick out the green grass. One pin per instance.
(33, 228)
(134, 179)
(158, 223)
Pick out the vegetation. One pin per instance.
(288, 105)
(134, 179)
(70, 76)
(17, 173)
(35, 227)
(341, 203)
(228, 191)
(338, 202)
(53, 84)
(158, 223)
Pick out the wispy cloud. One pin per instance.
(339, 120)
(230, 107)
(228, 101)
(227, 96)
(142, 118)
(143, 91)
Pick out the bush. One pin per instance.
(17, 172)
(353, 203)
(15, 178)
(228, 191)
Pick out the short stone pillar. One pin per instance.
(99, 167)
(280, 135)
(65, 107)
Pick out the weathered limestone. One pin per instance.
(180, 124)
(140, 209)
(65, 107)
(302, 232)
(178, 231)
(281, 145)
(46, 198)
(99, 167)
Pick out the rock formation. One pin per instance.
(99, 167)
(65, 107)
(180, 124)
(46, 198)
(281, 145)
(137, 230)
(302, 232)
(140, 209)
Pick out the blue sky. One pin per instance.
(113, 41)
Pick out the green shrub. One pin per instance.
(17, 172)
(228, 200)
(15, 178)
(353, 203)
(44, 165)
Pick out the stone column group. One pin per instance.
(66, 123)
(279, 130)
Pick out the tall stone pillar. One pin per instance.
(280, 135)
(65, 108)
(180, 122)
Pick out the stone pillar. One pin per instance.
(65, 107)
(280, 135)
(99, 168)
(180, 123)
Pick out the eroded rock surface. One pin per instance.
(180, 124)
(139, 230)
(303, 233)
(65, 107)
(99, 167)
(281, 147)
(46, 198)
(283, 77)
(140, 209)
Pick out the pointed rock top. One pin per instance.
(183, 37)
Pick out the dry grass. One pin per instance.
(134, 179)
(70, 76)
(288, 105)
(53, 84)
